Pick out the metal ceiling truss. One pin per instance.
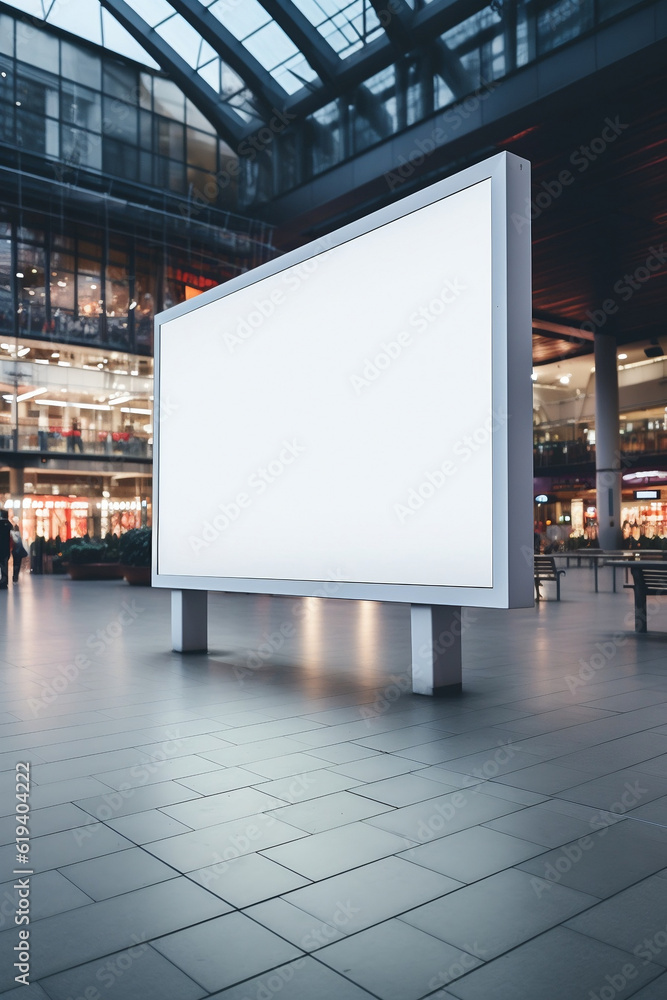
(227, 122)
(231, 51)
(405, 31)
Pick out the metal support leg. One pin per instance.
(436, 649)
(189, 621)
(595, 570)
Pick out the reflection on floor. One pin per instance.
(282, 818)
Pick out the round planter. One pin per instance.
(137, 576)
(95, 571)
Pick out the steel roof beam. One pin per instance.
(307, 39)
(228, 124)
(251, 71)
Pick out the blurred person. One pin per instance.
(626, 535)
(5, 548)
(19, 551)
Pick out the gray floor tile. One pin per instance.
(498, 913)
(371, 893)
(618, 792)
(93, 765)
(32, 992)
(403, 789)
(657, 765)
(552, 967)
(249, 752)
(249, 879)
(225, 951)
(376, 768)
(399, 739)
(307, 785)
(472, 854)
(221, 808)
(50, 893)
(270, 730)
(117, 873)
(139, 973)
(329, 811)
(223, 779)
(607, 861)
(143, 827)
(375, 959)
(134, 800)
(55, 819)
(335, 851)
(284, 766)
(342, 753)
(550, 823)
(153, 772)
(218, 844)
(547, 778)
(89, 932)
(57, 792)
(308, 933)
(634, 920)
(652, 812)
(448, 813)
(304, 979)
(58, 849)
(656, 990)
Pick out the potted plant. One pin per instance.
(135, 556)
(94, 559)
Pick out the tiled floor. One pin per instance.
(278, 818)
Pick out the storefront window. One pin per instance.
(6, 298)
(31, 289)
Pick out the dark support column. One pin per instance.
(607, 442)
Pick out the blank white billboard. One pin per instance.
(341, 414)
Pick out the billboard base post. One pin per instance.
(436, 649)
(189, 621)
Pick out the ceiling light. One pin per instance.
(22, 351)
(20, 274)
(564, 380)
(534, 377)
(132, 305)
(129, 409)
(622, 357)
(30, 394)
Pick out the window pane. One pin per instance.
(120, 120)
(7, 34)
(120, 81)
(40, 135)
(168, 100)
(81, 148)
(201, 150)
(77, 64)
(37, 47)
(31, 290)
(6, 300)
(37, 92)
(80, 107)
(170, 139)
(120, 159)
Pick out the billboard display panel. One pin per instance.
(342, 413)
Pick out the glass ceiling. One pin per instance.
(235, 52)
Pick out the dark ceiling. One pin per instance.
(589, 233)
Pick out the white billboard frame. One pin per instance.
(511, 500)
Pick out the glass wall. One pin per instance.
(86, 112)
(90, 286)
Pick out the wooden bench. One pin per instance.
(648, 581)
(545, 570)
